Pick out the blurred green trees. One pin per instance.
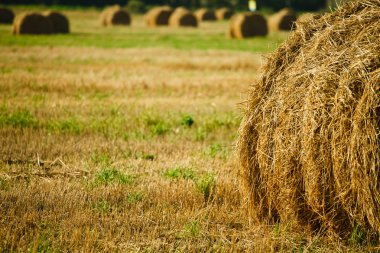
(192, 4)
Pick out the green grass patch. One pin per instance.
(185, 173)
(22, 118)
(112, 176)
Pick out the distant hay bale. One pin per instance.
(105, 13)
(6, 16)
(60, 22)
(248, 25)
(118, 17)
(204, 14)
(158, 16)
(282, 20)
(181, 9)
(224, 13)
(309, 143)
(182, 18)
(32, 23)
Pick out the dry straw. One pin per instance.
(309, 142)
(205, 14)
(6, 16)
(32, 23)
(60, 22)
(282, 20)
(158, 16)
(182, 18)
(224, 13)
(248, 25)
(106, 11)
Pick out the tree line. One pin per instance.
(308, 5)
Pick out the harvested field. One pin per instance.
(123, 140)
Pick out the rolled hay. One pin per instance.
(32, 23)
(309, 143)
(181, 9)
(182, 18)
(6, 16)
(60, 22)
(224, 13)
(105, 13)
(118, 17)
(204, 14)
(158, 16)
(248, 25)
(282, 20)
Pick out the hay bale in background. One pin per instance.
(6, 16)
(158, 16)
(309, 144)
(105, 13)
(32, 23)
(118, 17)
(224, 13)
(248, 25)
(181, 9)
(182, 18)
(60, 22)
(282, 20)
(204, 14)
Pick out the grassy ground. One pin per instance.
(122, 139)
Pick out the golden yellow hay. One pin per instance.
(60, 22)
(6, 16)
(158, 16)
(105, 13)
(248, 25)
(182, 18)
(204, 14)
(223, 13)
(282, 20)
(32, 23)
(309, 143)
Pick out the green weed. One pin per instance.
(357, 237)
(102, 207)
(187, 120)
(18, 119)
(110, 176)
(135, 197)
(193, 228)
(205, 184)
(180, 173)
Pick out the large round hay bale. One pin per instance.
(309, 144)
(158, 16)
(32, 23)
(223, 13)
(6, 16)
(118, 17)
(60, 22)
(282, 20)
(105, 13)
(205, 14)
(181, 9)
(182, 18)
(248, 25)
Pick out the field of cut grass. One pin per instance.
(122, 139)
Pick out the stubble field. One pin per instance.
(122, 139)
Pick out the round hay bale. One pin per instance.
(118, 17)
(60, 22)
(282, 20)
(105, 13)
(248, 25)
(158, 16)
(6, 16)
(309, 143)
(181, 9)
(182, 18)
(224, 13)
(204, 14)
(32, 23)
